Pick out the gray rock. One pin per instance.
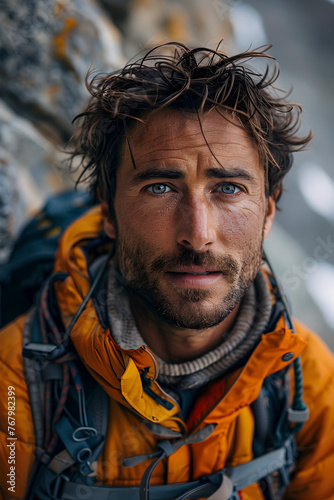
(11, 205)
(46, 48)
(31, 168)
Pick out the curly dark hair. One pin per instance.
(192, 80)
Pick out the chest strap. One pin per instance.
(222, 485)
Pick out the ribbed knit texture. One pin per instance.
(253, 316)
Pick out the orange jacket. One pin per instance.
(225, 403)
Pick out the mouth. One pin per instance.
(193, 277)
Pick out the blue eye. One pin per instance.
(159, 188)
(227, 188)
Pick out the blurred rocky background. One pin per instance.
(47, 47)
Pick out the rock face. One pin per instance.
(30, 170)
(46, 49)
(11, 206)
(30, 150)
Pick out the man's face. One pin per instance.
(190, 224)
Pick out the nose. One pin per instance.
(195, 225)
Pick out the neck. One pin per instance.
(173, 344)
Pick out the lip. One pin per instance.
(192, 269)
(183, 277)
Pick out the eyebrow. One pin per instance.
(170, 173)
(228, 172)
(154, 173)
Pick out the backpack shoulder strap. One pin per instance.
(38, 371)
(34, 381)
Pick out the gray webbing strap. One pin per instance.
(232, 479)
(224, 491)
(99, 409)
(251, 472)
(35, 384)
(73, 491)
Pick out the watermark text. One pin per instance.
(11, 445)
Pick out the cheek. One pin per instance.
(241, 227)
(138, 221)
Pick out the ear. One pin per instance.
(108, 223)
(271, 210)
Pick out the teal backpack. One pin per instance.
(32, 258)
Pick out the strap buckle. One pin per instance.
(47, 352)
(298, 416)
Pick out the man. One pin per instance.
(184, 329)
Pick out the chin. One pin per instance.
(197, 314)
(200, 323)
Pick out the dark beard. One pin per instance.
(185, 313)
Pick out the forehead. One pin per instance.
(171, 134)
